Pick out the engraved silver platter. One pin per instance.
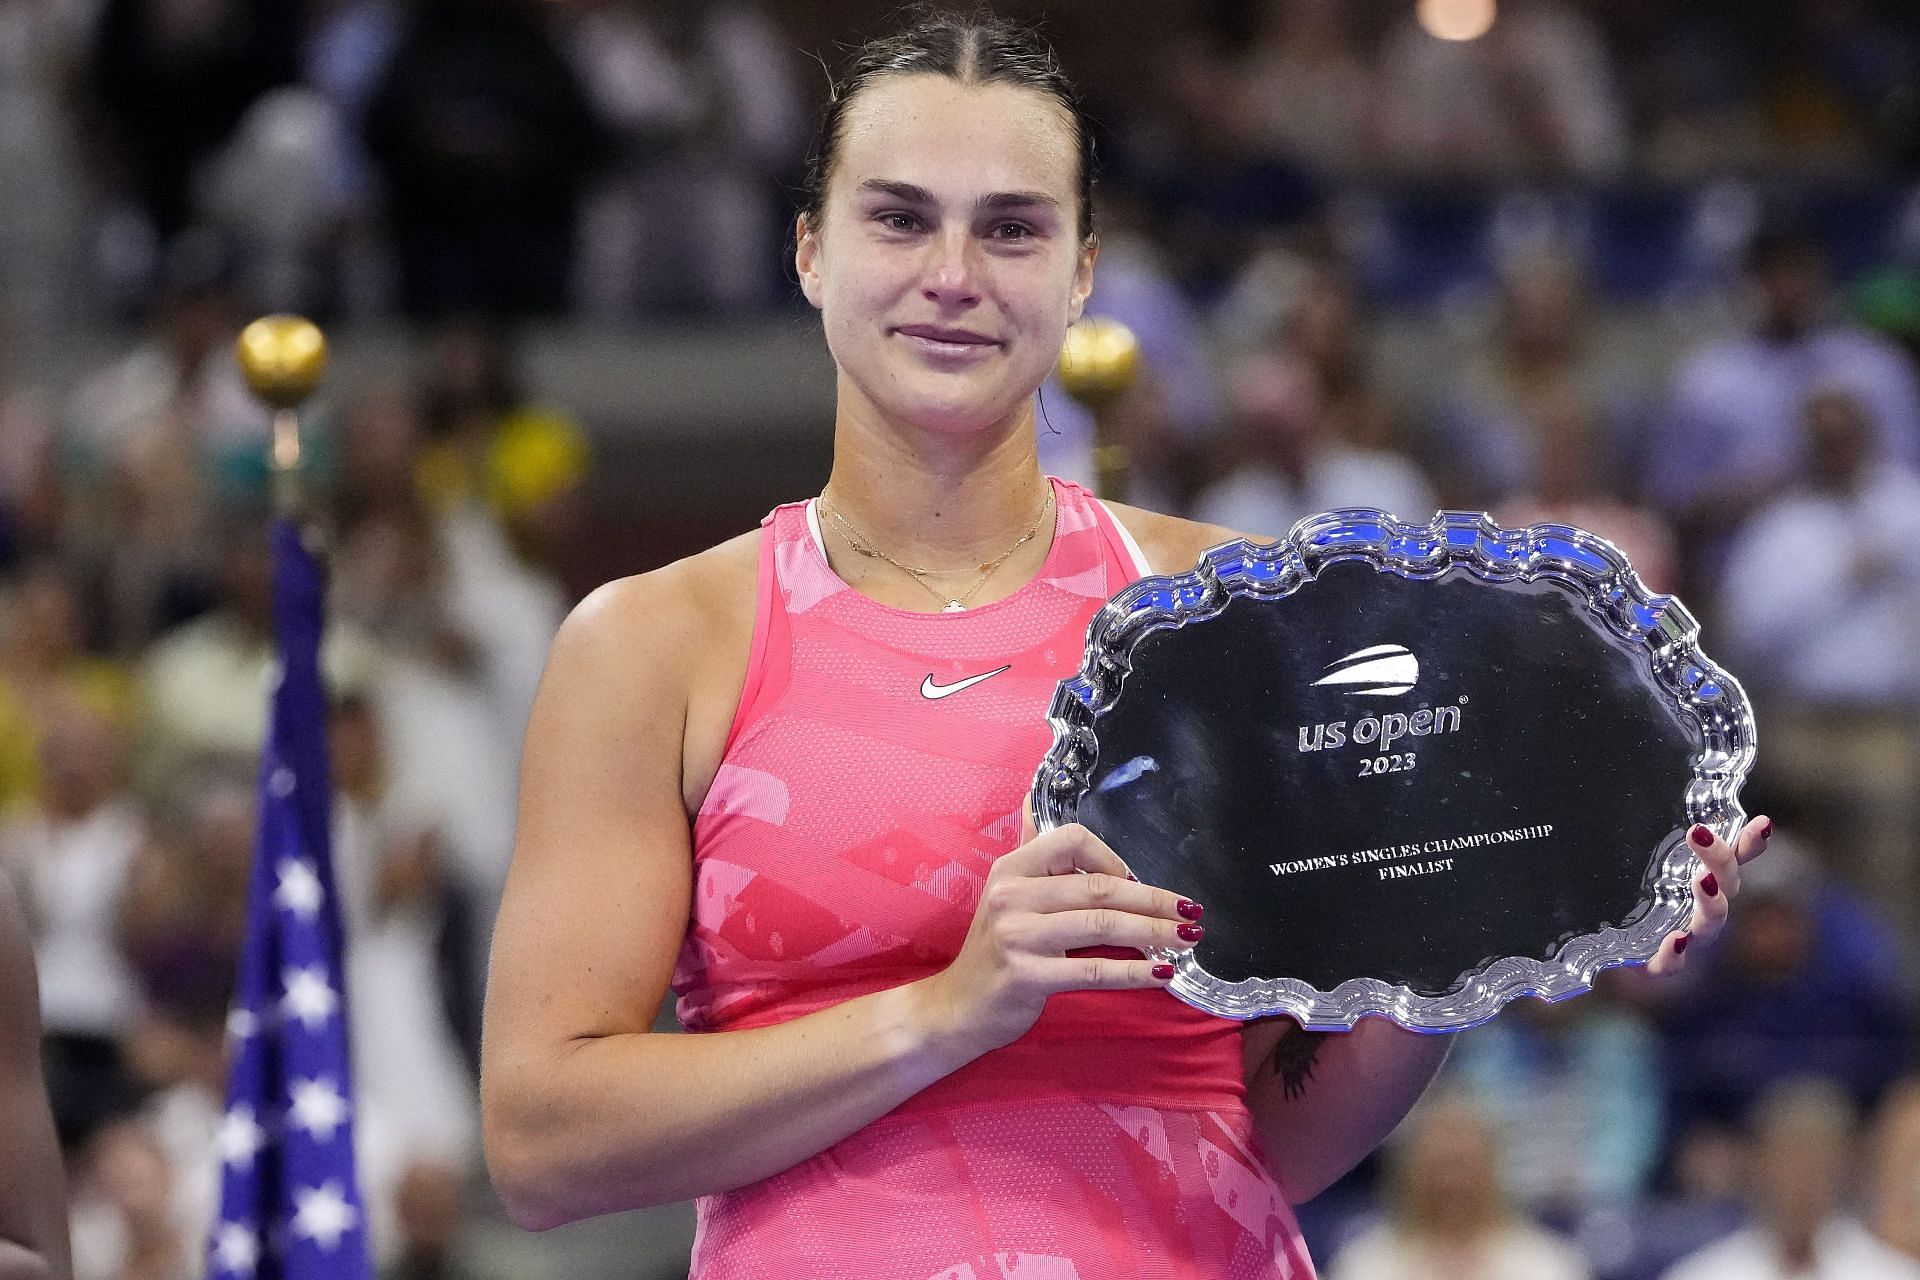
(1413, 771)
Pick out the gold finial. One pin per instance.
(283, 358)
(1099, 360)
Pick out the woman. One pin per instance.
(796, 763)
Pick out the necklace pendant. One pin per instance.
(954, 606)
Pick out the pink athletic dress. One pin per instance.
(875, 769)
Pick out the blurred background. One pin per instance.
(1650, 268)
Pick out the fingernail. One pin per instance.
(1189, 908)
(1133, 877)
(1710, 885)
(1191, 932)
(1700, 836)
(1163, 971)
(1680, 943)
(1767, 829)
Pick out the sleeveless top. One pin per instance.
(875, 768)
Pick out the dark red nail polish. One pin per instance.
(1680, 943)
(1133, 877)
(1163, 971)
(1189, 908)
(1710, 885)
(1767, 830)
(1701, 836)
(1191, 932)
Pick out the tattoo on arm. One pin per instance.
(1293, 1059)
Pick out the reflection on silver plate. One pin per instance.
(1413, 771)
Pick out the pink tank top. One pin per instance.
(875, 769)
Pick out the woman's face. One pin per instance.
(948, 262)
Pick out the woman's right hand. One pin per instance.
(1034, 909)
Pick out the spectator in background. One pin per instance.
(33, 1215)
(484, 140)
(71, 853)
(207, 681)
(1803, 1131)
(45, 673)
(1804, 984)
(504, 480)
(42, 222)
(407, 928)
(1489, 431)
(172, 78)
(1682, 74)
(1571, 485)
(1308, 87)
(1892, 1201)
(505, 474)
(124, 1221)
(708, 118)
(1821, 592)
(1734, 429)
(1573, 1088)
(1534, 97)
(156, 442)
(34, 506)
(1287, 461)
(1446, 1215)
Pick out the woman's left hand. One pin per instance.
(1714, 886)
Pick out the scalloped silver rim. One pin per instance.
(1590, 565)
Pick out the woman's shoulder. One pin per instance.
(671, 614)
(1172, 544)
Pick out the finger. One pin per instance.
(1717, 856)
(1709, 906)
(1063, 931)
(1098, 889)
(1753, 838)
(1064, 849)
(1671, 958)
(1027, 831)
(1101, 973)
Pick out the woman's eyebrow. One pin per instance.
(912, 194)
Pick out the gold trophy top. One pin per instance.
(1099, 360)
(283, 358)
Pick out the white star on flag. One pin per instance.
(310, 997)
(324, 1215)
(318, 1108)
(241, 1024)
(299, 890)
(239, 1139)
(236, 1250)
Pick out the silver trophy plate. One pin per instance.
(1414, 771)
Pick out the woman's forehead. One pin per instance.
(957, 140)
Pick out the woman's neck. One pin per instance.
(940, 502)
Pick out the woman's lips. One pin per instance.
(947, 344)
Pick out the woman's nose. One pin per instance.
(951, 271)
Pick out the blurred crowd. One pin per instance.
(1580, 174)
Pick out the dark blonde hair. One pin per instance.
(974, 48)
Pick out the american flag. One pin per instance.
(290, 1206)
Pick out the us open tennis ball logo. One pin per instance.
(1382, 671)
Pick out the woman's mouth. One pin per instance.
(947, 344)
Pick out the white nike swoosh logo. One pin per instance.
(928, 689)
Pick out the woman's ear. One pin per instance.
(806, 259)
(1083, 278)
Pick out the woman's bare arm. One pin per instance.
(33, 1213)
(585, 1110)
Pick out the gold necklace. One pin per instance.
(863, 545)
